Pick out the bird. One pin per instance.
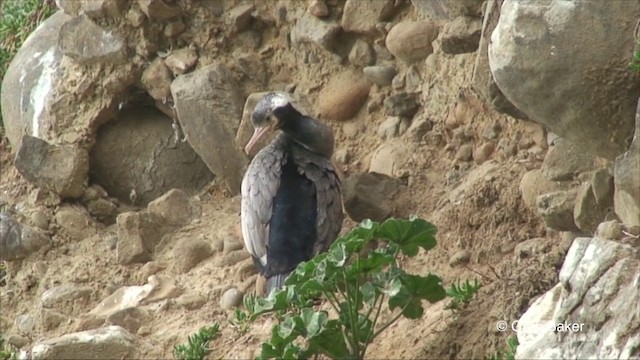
(291, 207)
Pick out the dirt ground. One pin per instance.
(477, 208)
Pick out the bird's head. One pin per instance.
(263, 118)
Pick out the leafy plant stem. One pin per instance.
(385, 326)
(352, 317)
(374, 322)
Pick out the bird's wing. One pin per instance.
(329, 201)
(259, 187)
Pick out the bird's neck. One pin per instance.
(306, 131)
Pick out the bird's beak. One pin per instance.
(258, 134)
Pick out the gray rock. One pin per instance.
(577, 62)
(17, 340)
(602, 187)
(154, 151)
(370, 196)
(209, 107)
(25, 323)
(59, 168)
(382, 53)
(413, 80)
(556, 209)
(75, 222)
(182, 60)
(410, 41)
(398, 81)
(418, 129)
(104, 210)
(138, 235)
(596, 291)
(156, 79)
(361, 54)
(310, 29)
(587, 213)
(534, 184)
(189, 252)
(240, 17)
(175, 207)
(131, 319)
(402, 104)
(447, 9)
(17, 241)
(50, 319)
(96, 9)
(389, 128)
(62, 296)
(610, 230)
(111, 342)
(481, 78)
(381, 75)
(158, 9)
(565, 161)
(462, 35)
(362, 16)
(87, 43)
(627, 180)
(231, 298)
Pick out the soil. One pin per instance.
(477, 208)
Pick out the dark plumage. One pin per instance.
(291, 205)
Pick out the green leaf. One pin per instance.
(313, 321)
(415, 289)
(375, 261)
(409, 234)
(330, 342)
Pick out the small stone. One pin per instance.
(175, 207)
(534, 184)
(17, 340)
(25, 323)
(419, 128)
(103, 210)
(130, 319)
(64, 295)
(491, 131)
(135, 17)
(138, 235)
(389, 128)
(381, 75)
(163, 288)
(586, 213)
(75, 222)
(87, 43)
(382, 53)
(318, 8)
(465, 153)
(112, 342)
(483, 153)
(564, 161)
(388, 158)
(602, 186)
(174, 28)
(342, 156)
(362, 16)
(370, 196)
(361, 54)
(413, 79)
(182, 60)
(462, 257)
(158, 9)
(462, 35)
(40, 219)
(402, 104)
(240, 17)
(231, 298)
(398, 81)
(611, 230)
(156, 80)
(556, 209)
(410, 41)
(344, 95)
(530, 248)
(190, 252)
(190, 301)
(310, 29)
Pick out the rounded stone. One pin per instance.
(231, 298)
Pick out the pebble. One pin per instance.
(465, 153)
(402, 104)
(361, 54)
(381, 75)
(483, 153)
(398, 81)
(318, 8)
(611, 230)
(410, 41)
(462, 257)
(342, 156)
(343, 96)
(25, 323)
(389, 128)
(231, 298)
(190, 301)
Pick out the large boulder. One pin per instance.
(209, 107)
(627, 180)
(561, 63)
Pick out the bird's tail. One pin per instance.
(276, 281)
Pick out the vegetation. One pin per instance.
(635, 62)
(357, 284)
(509, 353)
(461, 294)
(6, 351)
(197, 346)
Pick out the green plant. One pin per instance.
(357, 284)
(6, 351)
(635, 62)
(509, 353)
(197, 346)
(462, 293)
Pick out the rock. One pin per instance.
(410, 41)
(310, 29)
(96, 9)
(209, 106)
(191, 301)
(130, 319)
(245, 131)
(174, 28)
(156, 79)
(586, 61)
(389, 158)
(343, 96)
(17, 340)
(627, 180)
(462, 257)
(462, 35)
(135, 17)
(610, 230)
(25, 323)
(158, 10)
(533, 184)
(565, 161)
(402, 104)
(240, 17)
(556, 209)
(381, 75)
(362, 16)
(465, 153)
(175, 207)
(602, 186)
(596, 290)
(62, 296)
(370, 196)
(413, 80)
(483, 152)
(190, 252)
(50, 319)
(182, 60)
(121, 299)
(87, 43)
(530, 248)
(111, 342)
(231, 298)
(59, 168)
(153, 153)
(361, 54)
(446, 9)
(318, 8)
(389, 128)
(587, 213)
(138, 235)
(418, 129)
(75, 222)
(104, 210)
(17, 241)
(162, 288)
